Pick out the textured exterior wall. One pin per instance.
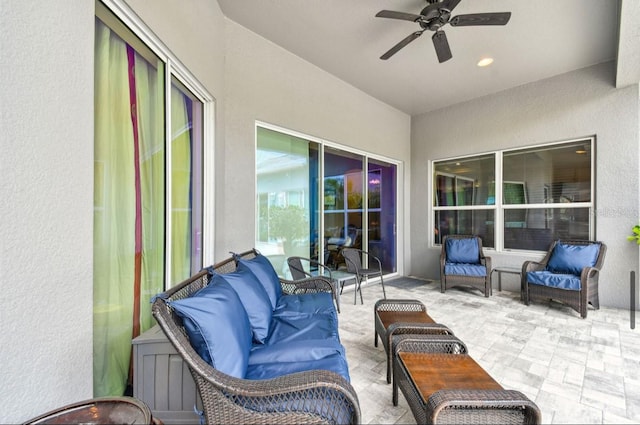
(268, 84)
(46, 307)
(47, 205)
(580, 103)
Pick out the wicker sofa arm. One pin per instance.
(308, 285)
(489, 406)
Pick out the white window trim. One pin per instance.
(175, 68)
(323, 143)
(499, 207)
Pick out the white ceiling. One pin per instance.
(543, 38)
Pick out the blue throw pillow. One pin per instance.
(462, 251)
(262, 268)
(255, 300)
(218, 327)
(567, 258)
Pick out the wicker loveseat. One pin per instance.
(278, 364)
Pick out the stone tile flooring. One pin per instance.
(578, 371)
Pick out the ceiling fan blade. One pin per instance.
(398, 15)
(400, 45)
(500, 18)
(442, 46)
(449, 4)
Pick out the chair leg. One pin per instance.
(384, 293)
(360, 288)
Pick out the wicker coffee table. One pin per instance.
(443, 384)
(402, 316)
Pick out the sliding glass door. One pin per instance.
(312, 200)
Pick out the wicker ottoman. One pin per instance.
(443, 384)
(398, 317)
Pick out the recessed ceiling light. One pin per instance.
(581, 151)
(485, 62)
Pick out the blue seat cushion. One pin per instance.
(335, 363)
(305, 304)
(295, 351)
(285, 329)
(465, 269)
(218, 327)
(567, 258)
(464, 251)
(262, 268)
(254, 298)
(570, 282)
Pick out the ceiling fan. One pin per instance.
(433, 18)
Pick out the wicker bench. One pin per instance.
(443, 384)
(399, 317)
(315, 394)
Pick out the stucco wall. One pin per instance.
(47, 205)
(268, 84)
(47, 51)
(580, 103)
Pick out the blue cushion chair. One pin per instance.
(568, 273)
(462, 263)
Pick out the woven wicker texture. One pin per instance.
(577, 300)
(492, 405)
(311, 397)
(408, 317)
(482, 283)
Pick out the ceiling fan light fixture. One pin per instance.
(485, 62)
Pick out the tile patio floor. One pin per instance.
(580, 371)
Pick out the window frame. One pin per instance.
(175, 69)
(500, 206)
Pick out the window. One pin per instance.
(148, 189)
(464, 198)
(540, 194)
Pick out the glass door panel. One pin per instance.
(186, 182)
(343, 201)
(287, 197)
(381, 213)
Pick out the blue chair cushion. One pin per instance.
(462, 251)
(255, 300)
(262, 268)
(305, 304)
(570, 282)
(465, 269)
(567, 258)
(218, 327)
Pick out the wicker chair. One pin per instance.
(459, 277)
(295, 398)
(576, 298)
